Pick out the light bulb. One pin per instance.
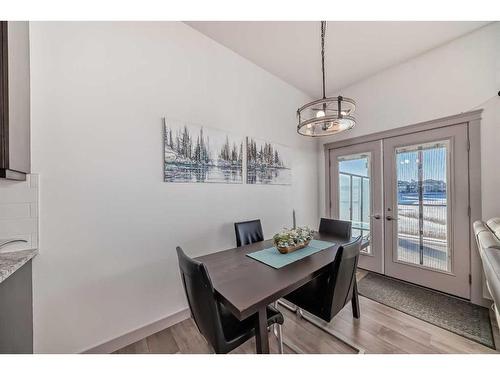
(320, 114)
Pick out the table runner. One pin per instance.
(272, 257)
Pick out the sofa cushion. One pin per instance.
(479, 227)
(491, 265)
(488, 240)
(494, 225)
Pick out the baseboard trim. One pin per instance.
(138, 334)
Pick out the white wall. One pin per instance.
(109, 225)
(448, 80)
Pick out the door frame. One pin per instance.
(473, 120)
(374, 261)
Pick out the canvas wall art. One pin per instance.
(268, 163)
(195, 153)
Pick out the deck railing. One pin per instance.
(362, 226)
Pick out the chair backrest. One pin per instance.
(201, 298)
(342, 279)
(337, 228)
(248, 232)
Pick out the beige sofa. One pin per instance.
(488, 242)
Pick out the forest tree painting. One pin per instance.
(268, 163)
(198, 154)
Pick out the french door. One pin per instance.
(356, 184)
(417, 222)
(426, 209)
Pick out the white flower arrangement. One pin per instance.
(293, 237)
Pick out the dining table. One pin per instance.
(246, 286)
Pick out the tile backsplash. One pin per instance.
(19, 213)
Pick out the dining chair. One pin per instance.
(337, 228)
(322, 298)
(248, 232)
(221, 329)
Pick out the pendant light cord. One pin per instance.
(323, 31)
(325, 116)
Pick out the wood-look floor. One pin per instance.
(380, 329)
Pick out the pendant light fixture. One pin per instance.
(326, 116)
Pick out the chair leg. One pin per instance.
(325, 327)
(287, 305)
(279, 333)
(355, 303)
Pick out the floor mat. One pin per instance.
(453, 314)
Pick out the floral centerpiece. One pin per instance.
(290, 240)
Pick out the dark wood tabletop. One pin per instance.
(246, 286)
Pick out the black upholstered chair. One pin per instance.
(337, 228)
(222, 330)
(248, 232)
(327, 294)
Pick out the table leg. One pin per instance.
(261, 337)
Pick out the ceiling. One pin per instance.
(354, 50)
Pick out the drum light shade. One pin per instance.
(326, 116)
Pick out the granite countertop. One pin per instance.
(10, 262)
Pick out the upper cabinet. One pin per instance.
(14, 100)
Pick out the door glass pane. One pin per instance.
(355, 194)
(344, 197)
(356, 199)
(422, 205)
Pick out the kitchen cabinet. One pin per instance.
(14, 100)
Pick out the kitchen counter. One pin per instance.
(10, 262)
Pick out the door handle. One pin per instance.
(376, 216)
(390, 218)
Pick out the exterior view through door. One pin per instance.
(356, 186)
(422, 205)
(406, 195)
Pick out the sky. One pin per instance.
(407, 166)
(434, 164)
(355, 166)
